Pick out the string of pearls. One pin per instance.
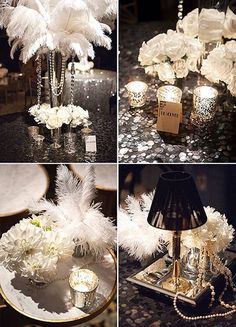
(222, 269)
(45, 285)
(55, 87)
(39, 80)
(72, 81)
(180, 9)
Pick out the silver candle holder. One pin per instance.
(83, 286)
(169, 93)
(205, 104)
(137, 92)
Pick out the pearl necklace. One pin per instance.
(208, 252)
(39, 80)
(55, 87)
(180, 9)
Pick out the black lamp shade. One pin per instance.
(176, 205)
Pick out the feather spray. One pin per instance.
(76, 213)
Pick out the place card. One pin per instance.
(90, 143)
(169, 117)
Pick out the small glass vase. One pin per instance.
(190, 263)
(56, 138)
(70, 142)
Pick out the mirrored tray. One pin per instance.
(152, 275)
(53, 303)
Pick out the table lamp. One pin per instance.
(176, 207)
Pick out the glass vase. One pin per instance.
(56, 78)
(211, 21)
(191, 262)
(56, 138)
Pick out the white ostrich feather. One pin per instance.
(136, 236)
(67, 26)
(75, 213)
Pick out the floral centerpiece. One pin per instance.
(36, 246)
(220, 65)
(170, 56)
(55, 117)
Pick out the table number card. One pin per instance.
(90, 143)
(169, 117)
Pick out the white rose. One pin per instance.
(189, 24)
(230, 50)
(217, 67)
(152, 51)
(192, 64)
(175, 46)
(166, 73)
(64, 114)
(194, 47)
(53, 122)
(180, 68)
(151, 70)
(230, 25)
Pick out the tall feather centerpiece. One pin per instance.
(57, 30)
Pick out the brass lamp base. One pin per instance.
(176, 285)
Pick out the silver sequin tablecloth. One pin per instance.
(139, 140)
(93, 89)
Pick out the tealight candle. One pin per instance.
(205, 101)
(83, 285)
(137, 92)
(169, 93)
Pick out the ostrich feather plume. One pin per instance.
(76, 214)
(136, 236)
(67, 26)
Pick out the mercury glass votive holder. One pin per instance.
(204, 105)
(169, 93)
(33, 131)
(83, 286)
(137, 92)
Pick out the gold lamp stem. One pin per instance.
(176, 282)
(176, 256)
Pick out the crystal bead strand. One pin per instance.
(180, 9)
(72, 81)
(39, 80)
(56, 89)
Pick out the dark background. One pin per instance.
(216, 183)
(168, 9)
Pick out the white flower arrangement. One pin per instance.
(141, 240)
(170, 56)
(55, 117)
(220, 65)
(75, 213)
(34, 247)
(215, 231)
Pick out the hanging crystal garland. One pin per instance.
(39, 80)
(55, 87)
(72, 80)
(180, 9)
